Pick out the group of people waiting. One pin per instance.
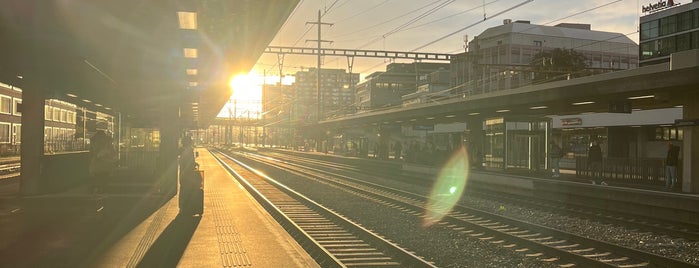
(595, 160)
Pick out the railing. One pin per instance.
(648, 171)
(60, 146)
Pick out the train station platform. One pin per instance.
(81, 230)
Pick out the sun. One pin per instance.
(246, 87)
(246, 97)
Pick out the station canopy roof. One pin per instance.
(136, 57)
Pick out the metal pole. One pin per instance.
(320, 101)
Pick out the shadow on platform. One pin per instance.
(169, 248)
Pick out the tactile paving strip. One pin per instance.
(233, 253)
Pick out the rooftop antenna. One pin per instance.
(465, 42)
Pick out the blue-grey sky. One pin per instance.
(406, 25)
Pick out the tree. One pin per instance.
(558, 64)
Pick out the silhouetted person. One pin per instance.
(555, 154)
(398, 149)
(671, 161)
(103, 159)
(191, 195)
(594, 162)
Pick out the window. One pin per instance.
(666, 134)
(4, 133)
(648, 50)
(18, 107)
(666, 46)
(649, 30)
(682, 42)
(56, 114)
(64, 116)
(16, 133)
(684, 21)
(5, 105)
(668, 25)
(538, 43)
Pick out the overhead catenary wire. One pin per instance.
(361, 12)
(450, 16)
(389, 20)
(411, 21)
(471, 25)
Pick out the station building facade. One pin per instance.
(67, 127)
(502, 58)
(668, 30)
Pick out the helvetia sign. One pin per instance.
(658, 6)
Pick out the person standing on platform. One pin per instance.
(191, 195)
(397, 149)
(555, 154)
(594, 163)
(671, 161)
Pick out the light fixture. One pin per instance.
(192, 71)
(98, 105)
(188, 20)
(450, 116)
(429, 118)
(71, 95)
(641, 97)
(190, 53)
(87, 101)
(193, 84)
(413, 120)
(474, 113)
(538, 107)
(502, 111)
(679, 106)
(107, 108)
(583, 103)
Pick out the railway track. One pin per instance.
(332, 239)
(631, 221)
(9, 171)
(546, 244)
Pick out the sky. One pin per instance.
(427, 26)
(405, 25)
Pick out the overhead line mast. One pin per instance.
(318, 24)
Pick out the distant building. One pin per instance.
(433, 86)
(385, 89)
(672, 29)
(501, 57)
(337, 93)
(67, 127)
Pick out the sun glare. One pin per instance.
(246, 87)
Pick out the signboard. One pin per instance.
(686, 122)
(576, 121)
(423, 127)
(660, 5)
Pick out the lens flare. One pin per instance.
(448, 188)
